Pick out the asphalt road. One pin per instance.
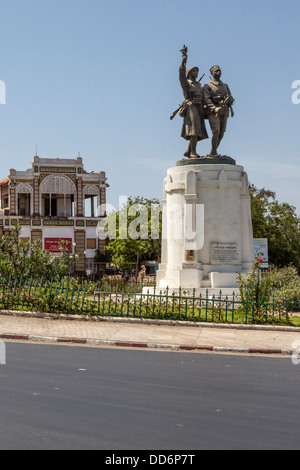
(65, 397)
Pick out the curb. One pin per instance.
(139, 345)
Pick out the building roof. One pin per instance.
(55, 161)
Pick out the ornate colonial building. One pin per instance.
(56, 200)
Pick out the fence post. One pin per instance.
(78, 292)
(266, 309)
(226, 308)
(14, 294)
(122, 302)
(246, 319)
(233, 305)
(186, 307)
(286, 308)
(167, 301)
(116, 302)
(200, 306)
(220, 305)
(273, 307)
(153, 301)
(141, 299)
(253, 308)
(35, 288)
(173, 304)
(159, 307)
(23, 294)
(147, 301)
(110, 298)
(83, 297)
(213, 308)
(3, 295)
(179, 310)
(206, 304)
(56, 287)
(259, 304)
(73, 290)
(128, 300)
(104, 295)
(67, 294)
(134, 300)
(194, 299)
(7, 295)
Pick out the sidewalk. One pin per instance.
(123, 332)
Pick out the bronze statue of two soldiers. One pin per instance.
(213, 102)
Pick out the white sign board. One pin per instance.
(261, 251)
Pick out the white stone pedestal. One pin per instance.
(207, 226)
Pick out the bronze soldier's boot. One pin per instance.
(188, 152)
(215, 144)
(193, 144)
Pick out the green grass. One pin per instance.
(295, 320)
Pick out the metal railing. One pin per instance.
(133, 300)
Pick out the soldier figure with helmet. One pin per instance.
(218, 102)
(191, 110)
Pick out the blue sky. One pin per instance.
(101, 78)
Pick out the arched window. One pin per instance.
(91, 200)
(58, 197)
(24, 200)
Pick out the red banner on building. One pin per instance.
(53, 244)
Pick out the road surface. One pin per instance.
(66, 397)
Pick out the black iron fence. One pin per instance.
(72, 296)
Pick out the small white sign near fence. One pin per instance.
(261, 251)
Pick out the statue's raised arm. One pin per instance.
(184, 52)
(182, 73)
(191, 110)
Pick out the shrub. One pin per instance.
(285, 283)
(20, 259)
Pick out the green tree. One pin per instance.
(135, 232)
(279, 223)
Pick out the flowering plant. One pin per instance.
(253, 286)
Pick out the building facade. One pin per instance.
(56, 200)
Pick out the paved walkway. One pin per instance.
(149, 334)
